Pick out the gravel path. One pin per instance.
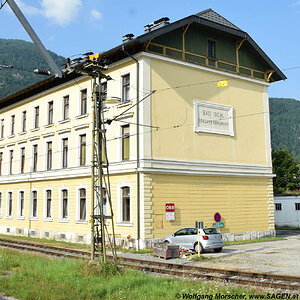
(277, 257)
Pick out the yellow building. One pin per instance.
(193, 130)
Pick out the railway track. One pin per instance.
(248, 278)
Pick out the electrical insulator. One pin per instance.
(41, 72)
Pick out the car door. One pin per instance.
(178, 238)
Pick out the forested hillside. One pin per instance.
(285, 125)
(284, 113)
(24, 57)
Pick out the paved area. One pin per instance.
(278, 257)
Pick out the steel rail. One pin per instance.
(253, 278)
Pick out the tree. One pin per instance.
(287, 172)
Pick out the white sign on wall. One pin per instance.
(213, 118)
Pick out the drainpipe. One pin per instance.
(137, 145)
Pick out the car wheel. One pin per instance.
(218, 249)
(167, 241)
(196, 248)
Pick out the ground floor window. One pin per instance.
(34, 204)
(9, 204)
(21, 203)
(125, 204)
(278, 206)
(65, 198)
(48, 203)
(82, 204)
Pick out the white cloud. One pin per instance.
(96, 14)
(27, 9)
(61, 12)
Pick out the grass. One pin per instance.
(39, 277)
(228, 243)
(286, 228)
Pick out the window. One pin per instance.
(125, 204)
(0, 204)
(211, 49)
(297, 206)
(2, 129)
(104, 200)
(65, 153)
(36, 117)
(103, 90)
(82, 149)
(9, 206)
(83, 102)
(278, 206)
(1, 161)
(12, 128)
(50, 112)
(49, 155)
(35, 158)
(125, 142)
(21, 204)
(11, 157)
(22, 160)
(82, 204)
(48, 203)
(24, 121)
(125, 88)
(65, 204)
(34, 204)
(66, 107)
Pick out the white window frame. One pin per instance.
(79, 133)
(64, 136)
(121, 86)
(60, 205)
(53, 114)
(81, 186)
(79, 101)
(62, 108)
(2, 123)
(21, 121)
(19, 217)
(46, 141)
(36, 142)
(7, 205)
(20, 155)
(8, 160)
(120, 141)
(11, 127)
(33, 117)
(46, 219)
(31, 218)
(120, 221)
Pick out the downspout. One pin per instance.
(137, 145)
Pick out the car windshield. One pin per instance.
(211, 231)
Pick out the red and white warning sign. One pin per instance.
(170, 211)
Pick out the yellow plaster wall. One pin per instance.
(242, 202)
(40, 223)
(173, 107)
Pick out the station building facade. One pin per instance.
(193, 130)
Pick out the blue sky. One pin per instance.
(70, 27)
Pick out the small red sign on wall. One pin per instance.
(170, 211)
(170, 207)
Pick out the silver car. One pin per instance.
(210, 238)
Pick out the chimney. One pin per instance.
(128, 37)
(157, 24)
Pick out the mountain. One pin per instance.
(25, 58)
(285, 125)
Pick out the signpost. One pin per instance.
(170, 211)
(218, 225)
